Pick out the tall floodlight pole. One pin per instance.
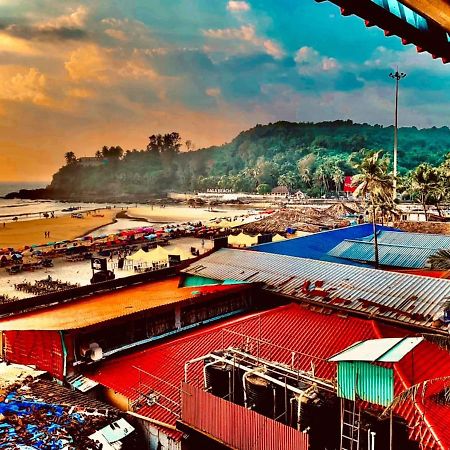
(397, 77)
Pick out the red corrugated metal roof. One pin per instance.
(315, 336)
(423, 272)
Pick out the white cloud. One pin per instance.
(273, 49)
(407, 59)
(237, 6)
(246, 33)
(128, 30)
(310, 61)
(120, 35)
(76, 18)
(213, 92)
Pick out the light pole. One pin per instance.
(397, 76)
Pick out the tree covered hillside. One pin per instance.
(307, 156)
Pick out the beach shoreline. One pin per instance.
(32, 232)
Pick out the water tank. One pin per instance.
(283, 396)
(260, 395)
(218, 379)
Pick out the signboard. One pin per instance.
(174, 260)
(99, 264)
(348, 187)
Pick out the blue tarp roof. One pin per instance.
(317, 245)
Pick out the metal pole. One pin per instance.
(397, 76)
(396, 136)
(391, 436)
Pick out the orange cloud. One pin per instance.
(10, 44)
(26, 86)
(88, 63)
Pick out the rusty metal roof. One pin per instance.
(111, 305)
(407, 298)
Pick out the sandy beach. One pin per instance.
(80, 271)
(19, 234)
(177, 214)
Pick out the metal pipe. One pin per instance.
(372, 434)
(369, 446)
(290, 417)
(204, 373)
(192, 361)
(274, 402)
(153, 421)
(293, 372)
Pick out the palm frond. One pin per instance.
(440, 260)
(439, 340)
(411, 394)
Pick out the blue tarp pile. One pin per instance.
(40, 425)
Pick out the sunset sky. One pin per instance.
(80, 75)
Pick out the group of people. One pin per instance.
(46, 234)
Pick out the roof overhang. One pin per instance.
(387, 350)
(433, 34)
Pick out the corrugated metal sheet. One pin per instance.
(381, 350)
(193, 280)
(317, 245)
(236, 426)
(359, 379)
(42, 349)
(410, 250)
(408, 298)
(111, 305)
(313, 336)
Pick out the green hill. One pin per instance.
(313, 157)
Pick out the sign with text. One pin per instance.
(99, 264)
(348, 186)
(174, 260)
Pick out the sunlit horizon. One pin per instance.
(76, 76)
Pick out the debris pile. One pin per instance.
(43, 415)
(307, 219)
(424, 227)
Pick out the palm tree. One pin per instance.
(305, 176)
(321, 178)
(424, 183)
(373, 181)
(338, 177)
